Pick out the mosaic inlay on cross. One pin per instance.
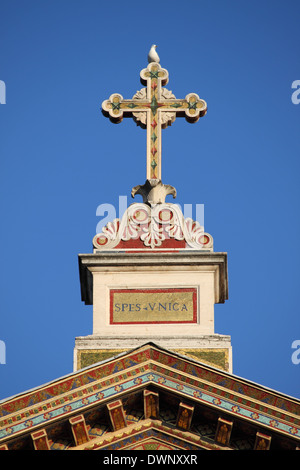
(154, 108)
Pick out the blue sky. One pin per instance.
(60, 159)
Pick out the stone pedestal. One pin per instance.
(165, 298)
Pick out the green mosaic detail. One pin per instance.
(132, 105)
(154, 105)
(154, 73)
(87, 358)
(176, 105)
(116, 106)
(192, 105)
(153, 137)
(214, 357)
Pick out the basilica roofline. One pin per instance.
(73, 403)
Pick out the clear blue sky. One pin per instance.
(60, 159)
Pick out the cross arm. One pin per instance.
(192, 107)
(116, 108)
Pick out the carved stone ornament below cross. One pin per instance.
(154, 108)
(159, 227)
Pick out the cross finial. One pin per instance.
(154, 108)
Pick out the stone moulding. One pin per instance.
(149, 366)
(105, 261)
(149, 227)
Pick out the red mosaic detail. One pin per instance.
(140, 216)
(138, 244)
(102, 240)
(204, 239)
(165, 215)
(63, 386)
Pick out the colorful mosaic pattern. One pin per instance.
(149, 365)
(79, 429)
(151, 404)
(150, 435)
(215, 357)
(117, 415)
(152, 444)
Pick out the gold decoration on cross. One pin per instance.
(151, 104)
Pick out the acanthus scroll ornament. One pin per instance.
(153, 226)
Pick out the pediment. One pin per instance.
(108, 399)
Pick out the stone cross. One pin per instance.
(154, 108)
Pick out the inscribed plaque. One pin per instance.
(161, 305)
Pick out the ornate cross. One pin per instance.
(154, 108)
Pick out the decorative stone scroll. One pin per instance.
(156, 227)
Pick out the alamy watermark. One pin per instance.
(296, 354)
(296, 343)
(2, 92)
(2, 352)
(296, 94)
(108, 212)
